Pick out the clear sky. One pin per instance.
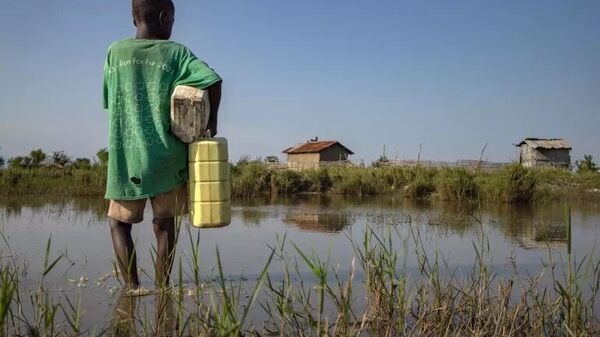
(452, 75)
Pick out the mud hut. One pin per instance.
(545, 152)
(315, 153)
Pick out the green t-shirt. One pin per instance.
(145, 158)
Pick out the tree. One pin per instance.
(37, 157)
(15, 162)
(1, 162)
(271, 159)
(59, 158)
(82, 163)
(102, 155)
(243, 160)
(586, 164)
(382, 161)
(19, 161)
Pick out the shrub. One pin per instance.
(513, 184)
(102, 156)
(456, 184)
(586, 164)
(251, 179)
(285, 182)
(37, 157)
(318, 180)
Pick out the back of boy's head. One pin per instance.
(148, 11)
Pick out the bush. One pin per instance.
(456, 184)
(250, 179)
(102, 156)
(318, 180)
(586, 164)
(37, 157)
(286, 182)
(513, 184)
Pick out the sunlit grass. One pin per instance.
(374, 296)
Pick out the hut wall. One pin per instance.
(557, 157)
(303, 160)
(545, 157)
(334, 153)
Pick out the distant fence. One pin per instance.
(466, 164)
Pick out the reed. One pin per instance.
(512, 184)
(435, 300)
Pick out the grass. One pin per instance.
(512, 184)
(435, 300)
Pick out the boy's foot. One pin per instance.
(139, 291)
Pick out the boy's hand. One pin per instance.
(214, 95)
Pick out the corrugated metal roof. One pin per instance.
(314, 147)
(546, 143)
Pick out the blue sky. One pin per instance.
(453, 75)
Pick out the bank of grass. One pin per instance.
(434, 300)
(512, 184)
(90, 181)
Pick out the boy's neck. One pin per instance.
(144, 32)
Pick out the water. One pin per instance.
(79, 231)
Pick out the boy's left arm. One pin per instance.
(214, 96)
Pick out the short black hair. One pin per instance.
(148, 10)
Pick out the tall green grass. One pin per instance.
(512, 184)
(434, 300)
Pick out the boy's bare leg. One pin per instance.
(164, 229)
(125, 252)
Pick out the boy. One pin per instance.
(145, 159)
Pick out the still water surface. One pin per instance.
(79, 231)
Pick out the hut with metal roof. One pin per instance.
(545, 152)
(315, 153)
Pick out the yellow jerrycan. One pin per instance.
(209, 187)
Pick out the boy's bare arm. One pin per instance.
(214, 95)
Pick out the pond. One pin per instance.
(325, 225)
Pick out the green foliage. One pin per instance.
(59, 158)
(271, 159)
(513, 184)
(520, 184)
(37, 157)
(250, 179)
(17, 162)
(381, 161)
(318, 180)
(46, 180)
(81, 163)
(354, 181)
(102, 156)
(456, 184)
(286, 182)
(586, 164)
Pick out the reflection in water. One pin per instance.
(532, 227)
(525, 231)
(317, 221)
(56, 206)
(124, 322)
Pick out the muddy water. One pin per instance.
(78, 231)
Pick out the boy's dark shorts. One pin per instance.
(164, 206)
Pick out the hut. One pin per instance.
(315, 153)
(545, 152)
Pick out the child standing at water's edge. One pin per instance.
(145, 159)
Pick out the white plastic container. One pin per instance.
(190, 109)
